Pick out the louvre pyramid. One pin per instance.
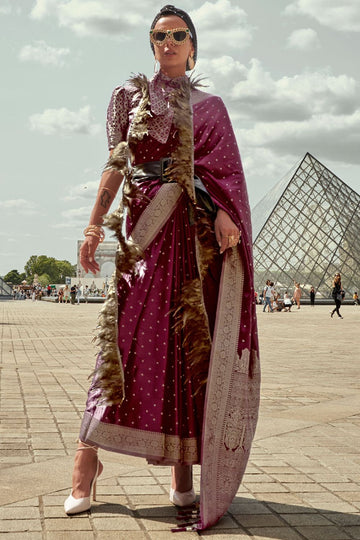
(306, 229)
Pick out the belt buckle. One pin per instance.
(164, 163)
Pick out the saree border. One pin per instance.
(138, 442)
(156, 214)
(231, 403)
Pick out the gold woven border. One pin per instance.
(156, 214)
(147, 444)
(223, 358)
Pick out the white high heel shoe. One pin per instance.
(75, 506)
(182, 498)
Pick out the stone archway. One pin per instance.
(105, 256)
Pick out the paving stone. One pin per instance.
(122, 535)
(143, 490)
(165, 535)
(344, 519)
(18, 512)
(267, 487)
(353, 532)
(19, 525)
(69, 535)
(343, 486)
(75, 523)
(24, 535)
(283, 533)
(322, 533)
(258, 520)
(225, 535)
(248, 508)
(309, 519)
(116, 523)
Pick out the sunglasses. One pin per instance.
(177, 36)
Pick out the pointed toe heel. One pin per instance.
(76, 506)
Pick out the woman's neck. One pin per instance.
(172, 73)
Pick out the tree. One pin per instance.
(14, 277)
(44, 280)
(65, 269)
(55, 269)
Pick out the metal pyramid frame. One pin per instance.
(310, 232)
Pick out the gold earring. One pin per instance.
(191, 62)
(156, 65)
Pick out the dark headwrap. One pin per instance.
(172, 10)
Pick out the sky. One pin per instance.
(287, 70)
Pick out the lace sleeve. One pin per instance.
(117, 117)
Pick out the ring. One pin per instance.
(231, 238)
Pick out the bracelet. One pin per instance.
(95, 230)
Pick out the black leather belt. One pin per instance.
(157, 169)
(151, 169)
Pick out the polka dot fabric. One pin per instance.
(160, 410)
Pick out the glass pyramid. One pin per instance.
(306, 229)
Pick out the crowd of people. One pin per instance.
(272, 300)
(66, 294)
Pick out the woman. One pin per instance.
(66, 294)
(177, 380)
(312, 296)
(61, 295)
(337, 294)
(297, 294)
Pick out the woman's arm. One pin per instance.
(108, 188)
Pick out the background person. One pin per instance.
(66, 294)
(287, 302)
(312, 296)
(297, 294)
(268, 295)
(337, 294)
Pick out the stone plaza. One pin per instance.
(303, 477)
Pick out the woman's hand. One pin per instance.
(87, 254)
(226, 232)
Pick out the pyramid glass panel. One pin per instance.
(306, 229)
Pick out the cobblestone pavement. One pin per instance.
(303, 478)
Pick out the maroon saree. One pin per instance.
(178, 309)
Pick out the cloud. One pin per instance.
(220, 73)
(87, 190)
(20, 206)
(74, 217)
(254, 94)
(343, 16)
(304, 39)
(64, 122)
(5, 9)
(43, 53)
(95, 17)
(89, 17)
(287, 116)
(221, 24)
(337, 138)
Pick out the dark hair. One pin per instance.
(172, 10)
